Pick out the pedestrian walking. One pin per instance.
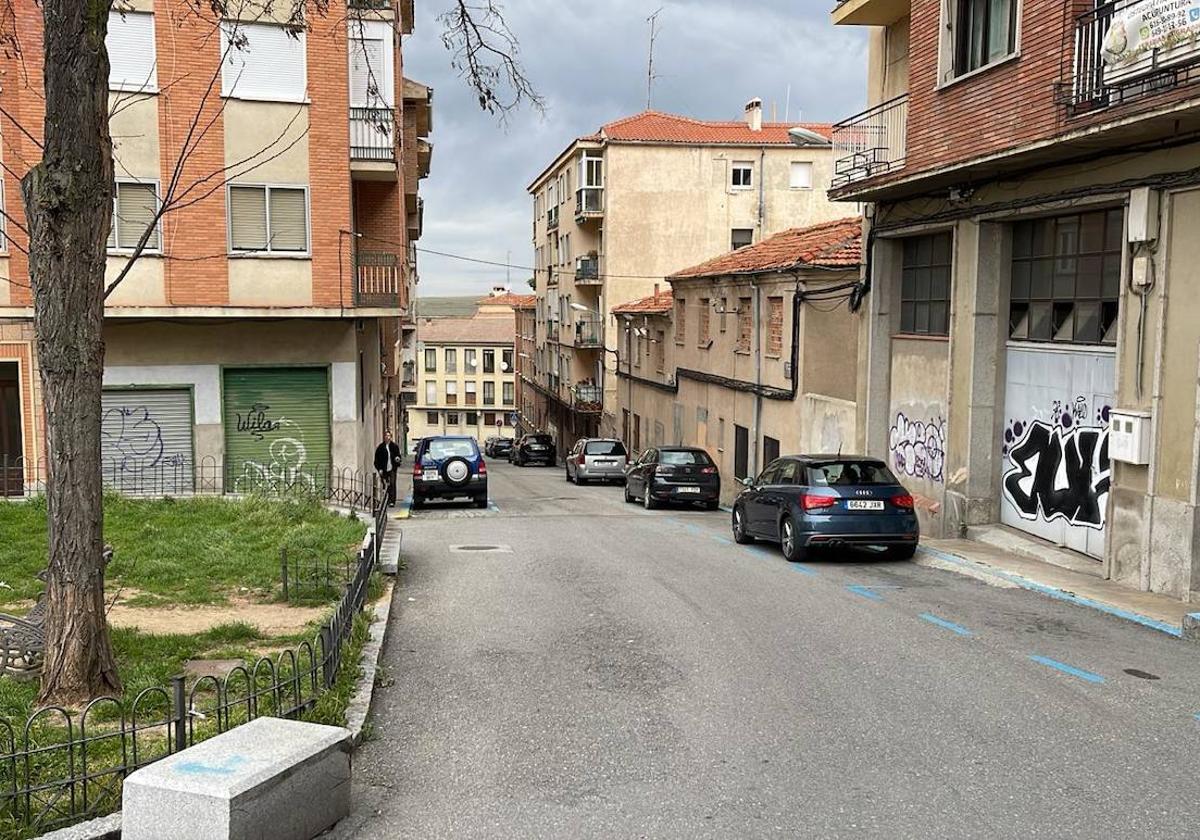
(387, 461)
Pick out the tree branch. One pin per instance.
(485, 53)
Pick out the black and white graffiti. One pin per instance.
(131, 438)
(918, 447)
(1059, 470)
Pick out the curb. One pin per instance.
(359, 706)
(104, 828)
(1012, 578)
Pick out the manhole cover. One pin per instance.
(1141, 675)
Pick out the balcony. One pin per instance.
(872, 143)
(552, 218)
(378, 280)
(1103, 77)
(589, 203)
(587, 399)
(870, 12)
(587, 271)
(373, 134)
(588, 331)
(369, 5)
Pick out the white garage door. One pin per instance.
(146, 440)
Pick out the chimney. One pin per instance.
(754, 114)
(656, 290)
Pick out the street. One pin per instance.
(566, 665)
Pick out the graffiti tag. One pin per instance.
(1060, 472)
(918, 447)
(132, 438)
(256, 422)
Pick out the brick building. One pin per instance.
(261, 333)
(1029, 344)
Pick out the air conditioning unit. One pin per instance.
(1129, 436)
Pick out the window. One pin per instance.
(506, 361)
(680, 320)
(264, 62)
(660, 351)
(508, 393)
(705, 323)
(745, 324)
(801, 177)
(431, 393)
(472, 418)
(268, 219)
(724, 312)
(839, 473)
(134, 206)
(131, 53)
(771, 450)
(471, 394)
(489, 393)
(451, 393)
(431, 418)
(470, 361)
(775, 326)
(925, 285)
(451, 360)
(984, 31)
(605, 447)
(742, 177)
(452, 418)
(740, 238)
(638, 353)
(371, 75)
(489, 361)
(489, 418)
(1066, 278)
(430, 360)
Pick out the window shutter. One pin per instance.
(801, 175)
(248, 218)
(136, 206)
(131, 55)
(368, 73)
(289, 220)
(265, 62)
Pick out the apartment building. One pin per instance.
(466, 382)
(643, 197)
(750, 355)
(1029, 335)
(524, 310)
(256, 339)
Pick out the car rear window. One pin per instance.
(604, 447)
(542, 439)
(848, 473)
(700, 458)
(451, 448)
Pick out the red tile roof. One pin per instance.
(524, 301)
(657, 127)
(506, 299)
(482, 329)
(656, 304)
(830, 245)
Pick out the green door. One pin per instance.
(276, 429)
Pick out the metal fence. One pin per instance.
(871, 143)
(372, 134)
(62, 767)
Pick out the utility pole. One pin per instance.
(650, 77)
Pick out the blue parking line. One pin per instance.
(724, 540)
(1197, 716)
(1067, 669)
(864, 591)
(946, 625)
(804, 570)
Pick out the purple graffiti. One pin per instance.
(918, 447)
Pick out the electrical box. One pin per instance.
(1129, 436)
(1143, 215)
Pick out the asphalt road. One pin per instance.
(604, 671)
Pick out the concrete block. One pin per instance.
(270, 778)
(1191, 627)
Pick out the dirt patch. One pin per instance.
(270, 619)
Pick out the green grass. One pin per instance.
(189, 551)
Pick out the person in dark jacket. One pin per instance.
(387, 460)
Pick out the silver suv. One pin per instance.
(597, 459)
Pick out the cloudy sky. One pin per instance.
(588, 60)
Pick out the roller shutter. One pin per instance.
(276, 428)
(146, 440)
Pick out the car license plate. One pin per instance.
(431, 475)
(688, 490)
(864, 504)
(536, 448)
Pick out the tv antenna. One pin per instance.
(650, 77)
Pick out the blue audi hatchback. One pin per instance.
(806, 502)
(449, 468)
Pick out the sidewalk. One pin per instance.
(1084, 588)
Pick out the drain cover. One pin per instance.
(1141, 675)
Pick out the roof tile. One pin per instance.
(657, 127)
(656, 304)
(835, 244)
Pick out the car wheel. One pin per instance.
(628, 498)
(740, 535)
(567, 474)
(417, 503)
(648, 500)
(901, 552)
(580, 481)
(715, 504)
(481, 503)
(789, 541)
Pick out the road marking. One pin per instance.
(805, 570)
(864, 591)
(1067, 669)
(724, 540)
(946, 625)
(1197, 716)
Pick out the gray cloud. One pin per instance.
(588, 60)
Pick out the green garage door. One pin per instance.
(276, 428)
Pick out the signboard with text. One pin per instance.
(1149, 35)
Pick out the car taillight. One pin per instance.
(708, 470)
(579, 460)
(663, 469)
(817, 502)
(482, 467)
(904, 501)
(418, 470)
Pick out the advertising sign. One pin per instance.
(1148, 35)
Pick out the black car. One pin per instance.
(805, 502)
(501, 447)
(535, 449)
(673, 474)
(449, 468)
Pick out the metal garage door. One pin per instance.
(146, 440)
(277, 429)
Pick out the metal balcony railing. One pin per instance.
(589, 202)
(589, 331)
(587, 270)
(369, 5)
(587, 398)
(372, 134)
(871, 143)
(378, 280)
(552, 218)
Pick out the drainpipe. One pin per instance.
(757, 330)
(762, 193)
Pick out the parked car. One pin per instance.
(596, 459)
(673, 474)
(501, 446)
(535, 449)
(449, 468)
(806, 502)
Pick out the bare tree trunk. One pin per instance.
(68, 206)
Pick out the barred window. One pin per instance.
(925, 285)
(775, 326)
(745, 324)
